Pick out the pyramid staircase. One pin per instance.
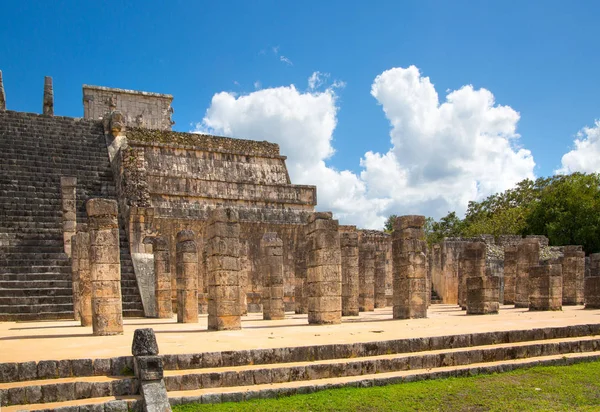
(35, 151)
(231, 376)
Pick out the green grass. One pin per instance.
(548, 388)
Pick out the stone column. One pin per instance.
(75, 277)
(324, 270)
(573, 271)
(379, 281)
(482, 287)
(300, 256)
(223, 258)
(366, 275)
(545, 287)
(68, 187)
(162, 277)
(186, 264)
(528, 255)
(48, 108)
(84, 276)
(349, 256)
(592, 283)
(202, 282)
(105, 264)
(410, 270)
(2, 95)
(271, 262)
(510, 273)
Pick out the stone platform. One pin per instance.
(61, 366)
(34, 341)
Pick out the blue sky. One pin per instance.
(540, 58)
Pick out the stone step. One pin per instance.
(35, 300)
(35, 284)
(63, 268)
(266, 391)
(51, 276)
(36, 292)
(29, 309)
(26, 317)
(190, 379)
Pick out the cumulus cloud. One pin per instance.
(447, 153)
(441, 156)
(584, 157)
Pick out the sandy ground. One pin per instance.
(56, 340)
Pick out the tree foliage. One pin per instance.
(565, 208)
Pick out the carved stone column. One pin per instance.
(410, 269)
(68, 187)
(271, 267)
(510, 273)
(592, 283)
(324, 270)
(349, 253)
(366, 275)
(105, 262)
(528, 255)
(186, 264)
(573, 270)
(48, 103)
(84, 275)
(223, 258)
(545, 287)
(162, 276)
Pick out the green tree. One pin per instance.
(568, 211)
(388, 227)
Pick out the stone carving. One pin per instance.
(187, 277)
(75, 277)
(272, 273)
(300, 292)
(48, 103)
(324, 271)
(349, 254)
(149, 371)
(105, 263)
(410, 271)
(223, 259)
(84, 276)
(379, 278)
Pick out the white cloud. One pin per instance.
(441, 155)
(257, 84)
(584, 157)
(317, 79)
(286, 60)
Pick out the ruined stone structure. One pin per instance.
(300, 292)
(546, 286)
(482, 288)
(105, 267)
(140, 109)
(350, 278)
(366, 275)
(409, 265)
(528, 255)
(223, 259)
(48, 102)
(162, 277)
(272, 270)
(324, 270)
(573, 272)
(510, 274)
(186, 262)
(592, 283)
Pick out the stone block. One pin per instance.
(82, 367)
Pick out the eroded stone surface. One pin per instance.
(272, 272)
(187, 277)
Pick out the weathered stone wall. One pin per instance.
(141, 109)
(366, 274)
(510, 273)
(181, 184)
(382, 264)
(272, 271)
